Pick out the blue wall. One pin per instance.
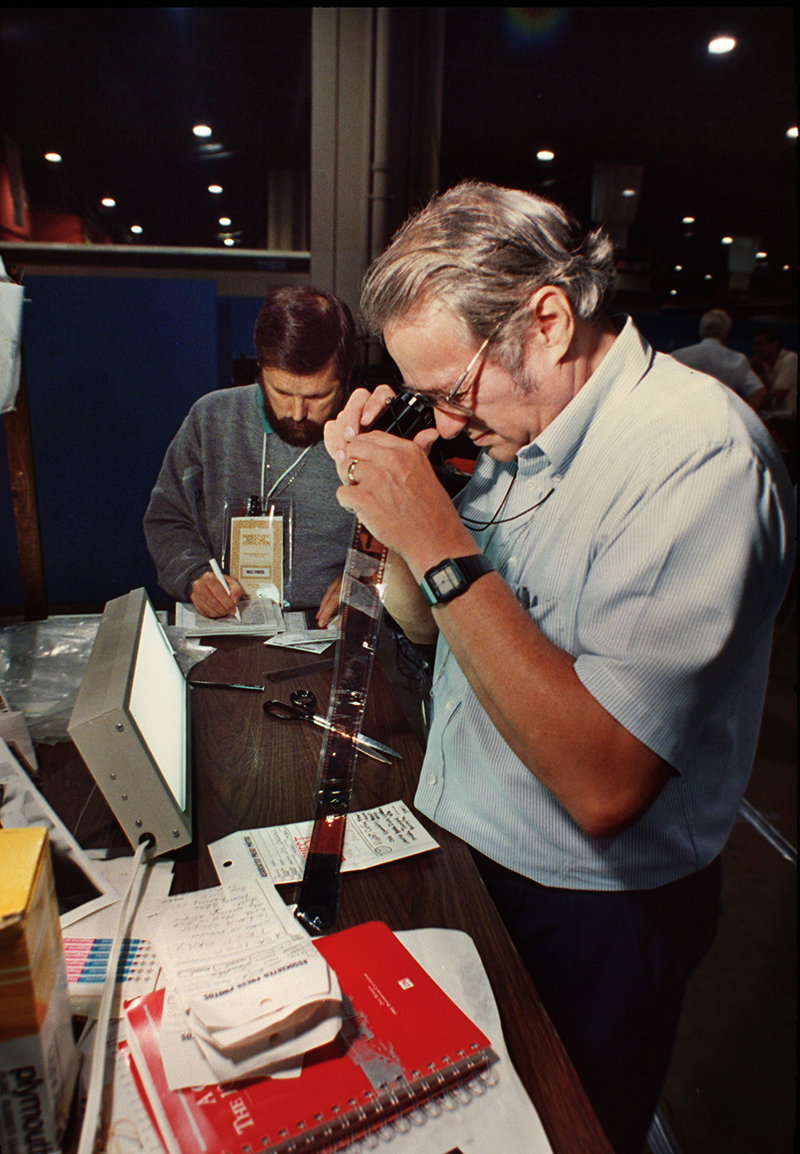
(113, 365)
(236, 319)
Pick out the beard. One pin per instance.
(297, 433)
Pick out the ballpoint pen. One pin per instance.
(367, 745)
(220, 576)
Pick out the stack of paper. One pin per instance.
(258, 616)
(247, 993)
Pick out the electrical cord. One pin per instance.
(91, 1118)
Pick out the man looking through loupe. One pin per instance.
(602, 591)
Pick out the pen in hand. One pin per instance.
(220, 576)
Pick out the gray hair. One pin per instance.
(715, 323)
(482, 251)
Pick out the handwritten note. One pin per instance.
(247, 991)
(278, 853)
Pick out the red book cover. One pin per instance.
(402, 1042)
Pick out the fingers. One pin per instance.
(210, 598)
(329, 606)
(361, 410)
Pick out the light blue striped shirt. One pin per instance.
(658, 558)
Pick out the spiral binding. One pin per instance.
(396, 1109)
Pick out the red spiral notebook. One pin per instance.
(403, 1041)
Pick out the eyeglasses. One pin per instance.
(448, 403)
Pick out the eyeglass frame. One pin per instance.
(448, 399)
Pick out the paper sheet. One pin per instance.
(86, 929)
(259, 616)
(278, 853)
(298, 636)
(503, 1118)
(246, 988)
(14, 731)
(23, 805)
(11, 299)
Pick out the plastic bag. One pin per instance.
(42, 664)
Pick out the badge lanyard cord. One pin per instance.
(292, 465)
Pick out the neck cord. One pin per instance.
(265, 469)
(496, 519)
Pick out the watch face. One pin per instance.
(446, 581)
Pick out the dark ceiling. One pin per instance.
(116, 92)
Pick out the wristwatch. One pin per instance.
(453, 576)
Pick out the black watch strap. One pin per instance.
(452, 577)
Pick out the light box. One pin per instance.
(131, 723)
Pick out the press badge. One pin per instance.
(260, 550)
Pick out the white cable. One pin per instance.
(288, 470)
(91, 1118)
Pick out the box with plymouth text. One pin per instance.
(38, 1060)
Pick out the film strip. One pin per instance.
(362, 607)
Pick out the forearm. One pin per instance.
(403, 599)
(178, 551)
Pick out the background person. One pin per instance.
(265, 440)
(603, 592)
(777, 368)
(710, 356)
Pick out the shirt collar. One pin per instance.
(265, 425)
(621, 368)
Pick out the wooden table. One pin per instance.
(253, 771)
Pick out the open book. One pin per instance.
(402, 1044)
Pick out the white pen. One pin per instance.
(220, 576)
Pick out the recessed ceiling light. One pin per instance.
(201, 130)
(792, 133)
(721, 44)
(55, 157)
(137, 228)
(225, 221)
(108, 202)
(545, 154)
(708, 276)
(629, 192)
(678, 268)
(215, 188)
(688, 220)
(229, 241)
(727, 240)
(786, 268)
(673, 292)
(761, 256)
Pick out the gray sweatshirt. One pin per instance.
(223, 451)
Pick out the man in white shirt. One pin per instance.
(603, 594)
(777, 368)
(710, 356)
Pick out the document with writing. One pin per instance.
(259, 616)
(278, 852)
(247, 991)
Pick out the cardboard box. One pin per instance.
(38, 1059)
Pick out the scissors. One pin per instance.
(302, 707)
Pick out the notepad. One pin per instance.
(404, 1042)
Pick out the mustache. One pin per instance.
(300, 433)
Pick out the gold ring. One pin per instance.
(350, 470)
